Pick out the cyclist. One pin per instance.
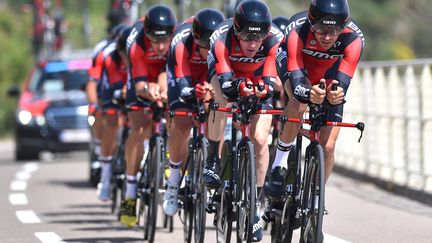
(243, 52)
(325, 47)
(187, 82)
(148, 46)
(93, 92)
(114, 76)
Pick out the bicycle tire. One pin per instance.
(246, 193)
(156, 163)
(188, 207)
(200, 191)
(312, 218)
(116, 190)
(224, 212)
(282, 227)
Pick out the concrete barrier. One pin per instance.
(394, 100)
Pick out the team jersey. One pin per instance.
(184, 60)
(97, 59)
(185, 66)
(114, 71)
(114, 75)
(307, 59)
(145, 64)
(230, 62)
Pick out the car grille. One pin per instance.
(66, 118)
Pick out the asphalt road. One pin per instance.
(51, 201)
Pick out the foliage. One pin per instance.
(15, 59)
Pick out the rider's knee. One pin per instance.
(260, 141)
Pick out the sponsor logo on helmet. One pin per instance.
(254, 29)
(160, 32)
(330, 22)
(247, 59)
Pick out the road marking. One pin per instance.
(18, 185)
(327, 238)
(23, 175)
(333, 239)
(18, 199)
(27, 217)
(31, 166)
(48, 237)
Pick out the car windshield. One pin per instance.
(61, 81)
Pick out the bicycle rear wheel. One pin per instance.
(200, 191)
(246, 193)
(224, 213)
(313, 195)
(155, 178)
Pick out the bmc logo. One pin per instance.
(184, 33)
(321, 55)
(294, 24)
(218, 32)
(131, 38)
(247, 59)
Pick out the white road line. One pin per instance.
(327, 238)
(31, 166)
(18, 199)
(48, 237)
(27, 217)
(333, 239)
(18, 185)
(22, 175)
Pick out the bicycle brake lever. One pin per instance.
(360, 126)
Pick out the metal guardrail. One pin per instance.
(394, 99)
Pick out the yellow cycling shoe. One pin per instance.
(128, 212)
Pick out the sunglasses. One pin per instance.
(161, 38)
(324, 29)
(248, 37)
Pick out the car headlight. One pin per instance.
(91, 120)
(24, 117)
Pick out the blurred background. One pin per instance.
(391, 93)
(394, 29)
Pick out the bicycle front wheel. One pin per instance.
(200, 191)
(224, 208)
(246, 193)
(313, 195)
(155, 164)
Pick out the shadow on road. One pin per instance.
(79, 184)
